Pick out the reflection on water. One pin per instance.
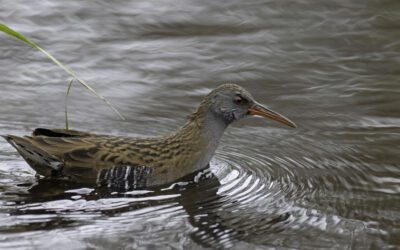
(332, 68)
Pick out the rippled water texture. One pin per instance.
(333, 67)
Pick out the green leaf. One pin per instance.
(15, 34)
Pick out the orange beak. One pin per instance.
(258, 109)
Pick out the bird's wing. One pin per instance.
(84, 157)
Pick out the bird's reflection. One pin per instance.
(211, 214)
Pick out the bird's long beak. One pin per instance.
(258, 109)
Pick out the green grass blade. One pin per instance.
(66, 104)
(15, 34)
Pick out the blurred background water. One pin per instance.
(330, 66)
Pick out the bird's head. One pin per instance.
(231, 102)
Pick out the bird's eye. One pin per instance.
(238, 99)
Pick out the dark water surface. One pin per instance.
(333, 67)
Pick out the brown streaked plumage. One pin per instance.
(130, 162)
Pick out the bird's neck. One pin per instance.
(190, 148)
(201, 135)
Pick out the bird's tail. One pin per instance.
(42, 162)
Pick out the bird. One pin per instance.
(135, 162)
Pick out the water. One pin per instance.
(330, 66)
